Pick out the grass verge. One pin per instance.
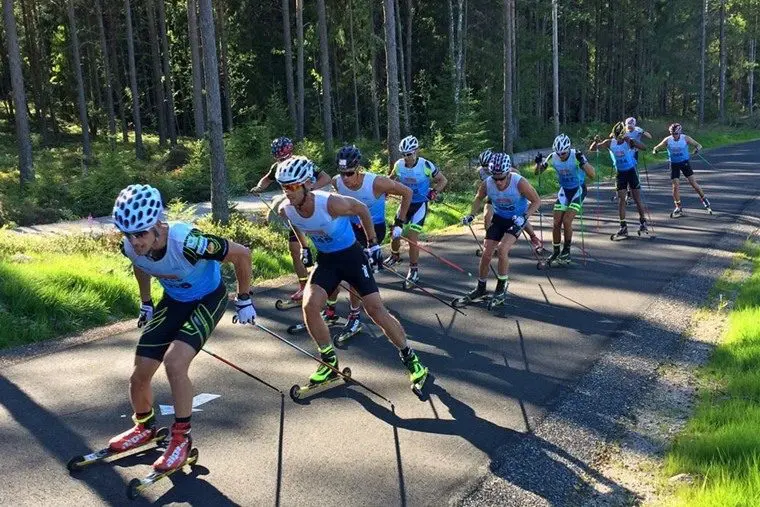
(720, 446)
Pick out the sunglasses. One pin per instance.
(291, 187)
(504, 177)
(347, 174)
(410, 154)
(136, 235)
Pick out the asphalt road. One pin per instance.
(496, 374)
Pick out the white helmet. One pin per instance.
(561, 144)
(408, 144)
(297, 169)
(137, 208)
(630, 121)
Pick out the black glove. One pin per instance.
(306, 257)
(539, 158)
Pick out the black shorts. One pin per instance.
(628, 179)
(349, 265)
(501, 226)
(190, 322)
(676, 168)
(362, 238)
(415, 217)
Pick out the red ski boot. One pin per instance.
(178, 449)
(140, 434)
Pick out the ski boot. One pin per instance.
(537, 245)
(323, 377)
(553, 259)
(177, 451)
(393, 259)
(412, 277)
(706, 204)
(329, 315)
(564, 258)
(139, 436)
(295, 300)
(418, 373)
(622, 233)
(500, 294)
(475, 294)
(644, 230)
(678, 211)
(352, 328)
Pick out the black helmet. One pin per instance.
(348, 158)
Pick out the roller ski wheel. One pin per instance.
(619, 237)
(298, 392)
(296, 328)
(418, 388)
(79, 463)
(135, 486)
(287, 304)
(709, 211)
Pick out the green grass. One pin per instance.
(721, 443)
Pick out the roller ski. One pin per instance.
(328, 315)
(140, 437)
(179, 452)
(555, 260)
(418, 374)
(352, 327)
(327, 375)
(412, 278)
(393, 259)
(475, 295)
(499, 299)
(621, 234)
(294, 302)
(645, 231)
(677, 212)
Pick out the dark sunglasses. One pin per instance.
(136, 235)
(411, 153)
(503, 177)
(347, 174)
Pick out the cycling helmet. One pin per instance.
(561, 144)
(675, 129)
(294, 170)
(348, 158)
(408, 144)
(630, 121)
(282, 148)
(485, 157)
(137, 208)
(499, 164)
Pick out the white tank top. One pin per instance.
(328, 234)
(366, 194)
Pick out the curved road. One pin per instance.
(496, 375)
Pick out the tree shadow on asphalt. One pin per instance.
(556, 465)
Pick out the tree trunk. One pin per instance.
(459, 71)
(702, 52)
(77, 67)
(402, 74)
(751, 78)
(35, 65)
(353, 67)
(23, 136)
(324, 57)
(158, 84)
(300, 126)
(391, 71)
(225, 72)
(555, 66)
(118, 72)
(408, 66)
(452, 59)
(515, 90)
(507, 126)
(107, 76)
(288, 44)
(722, 43)
(171, 116)
(139, 150)
(373, 75)
(195, 60)
(336, 102)
(219, 208)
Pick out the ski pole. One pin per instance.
(347, 378)
(425, 291)
(596, 207)
(705, 160)
(646, 171)
(241, 370)
(440, 258)
(480, 249)
(290, 224)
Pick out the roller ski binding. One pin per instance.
(328, 315)
(552, 261)
(294, 302)
(352, 327)
(621, 234)
(326, 375)
(412, 277)
(499, 299)
(121, 446)
(418, 374)
(645, 231)
(165, 466)
(677, 212)
(393, 259)
(473, 296)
